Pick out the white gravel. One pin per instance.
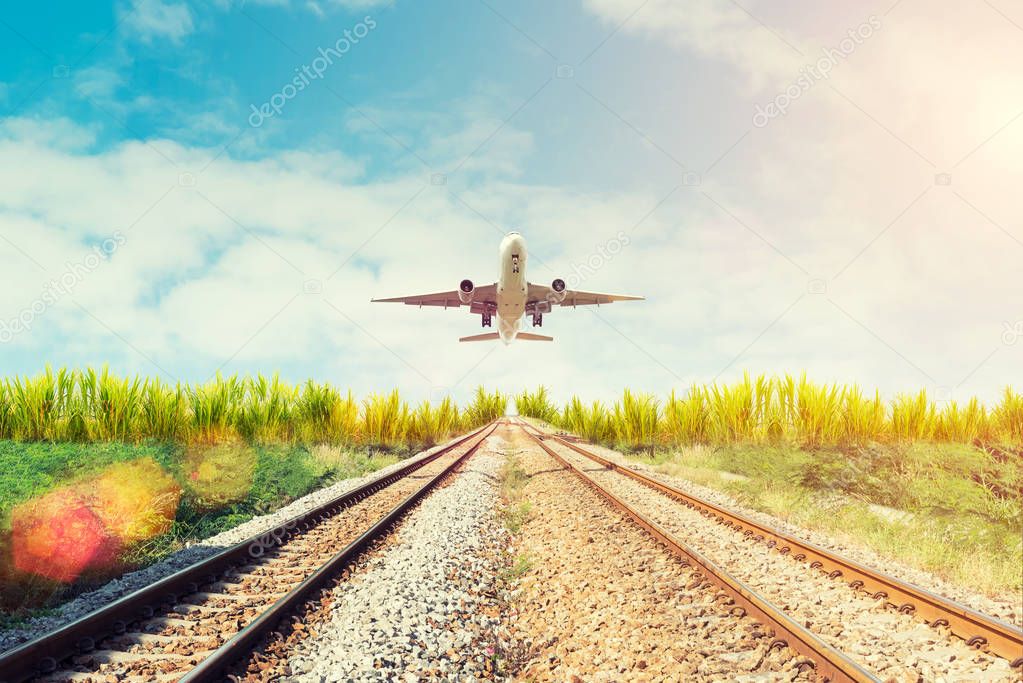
(426, 605)
(128, 583)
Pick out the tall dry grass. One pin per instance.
(485, 407)
(782, 409)
(537, 404)
(89, 405)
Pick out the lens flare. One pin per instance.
(83, 528)
(58, 537)
(135, 500)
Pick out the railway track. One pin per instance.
(206, 621)
(975, 629)
(196, 624)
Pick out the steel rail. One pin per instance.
(830, 663)
(42, 656)
(977, 629)
(215, 666)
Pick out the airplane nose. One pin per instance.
(514, 239)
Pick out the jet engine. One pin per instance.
(466, 290)
(558, 291)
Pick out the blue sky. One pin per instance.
(869, 233)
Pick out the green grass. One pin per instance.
(514, 515)
(516, 570)
(386, 420)
(515, 509)
(348, 463)
(31, 469)
(590, 422)
(964, 521)
(222, 485)
(324, 416)
(514, 512)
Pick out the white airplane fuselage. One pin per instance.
(510, 298)
(512, 288)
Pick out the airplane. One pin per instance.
(511, 297)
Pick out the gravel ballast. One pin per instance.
(601, 600)
(893, 645)
(426, 605)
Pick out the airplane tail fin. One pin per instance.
(533, 337)
(489, 336)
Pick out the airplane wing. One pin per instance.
(484, 294)
(576, 297)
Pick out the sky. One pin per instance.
(203, 186)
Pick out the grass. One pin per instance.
(87, 459)
(937, 486)
(29, 470)
(344, 463)
(385, 420)
(429, 424)
(634, 419)
(100, 474)
(515, 509)
(951, 509)
(537, 404)
(205, 489)
(484, 408)
(89, 406)
(781, 410)
(591, 422)
(107, 451)
(517, 569)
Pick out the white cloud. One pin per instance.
(159, 19)
(98, 82)
(200, 285)
(52, 135)
(716, 29)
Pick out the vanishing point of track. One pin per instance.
(199, 622)
(976, 629)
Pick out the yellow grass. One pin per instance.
(771, 410)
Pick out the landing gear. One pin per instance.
(538, 320)
(488, 321)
